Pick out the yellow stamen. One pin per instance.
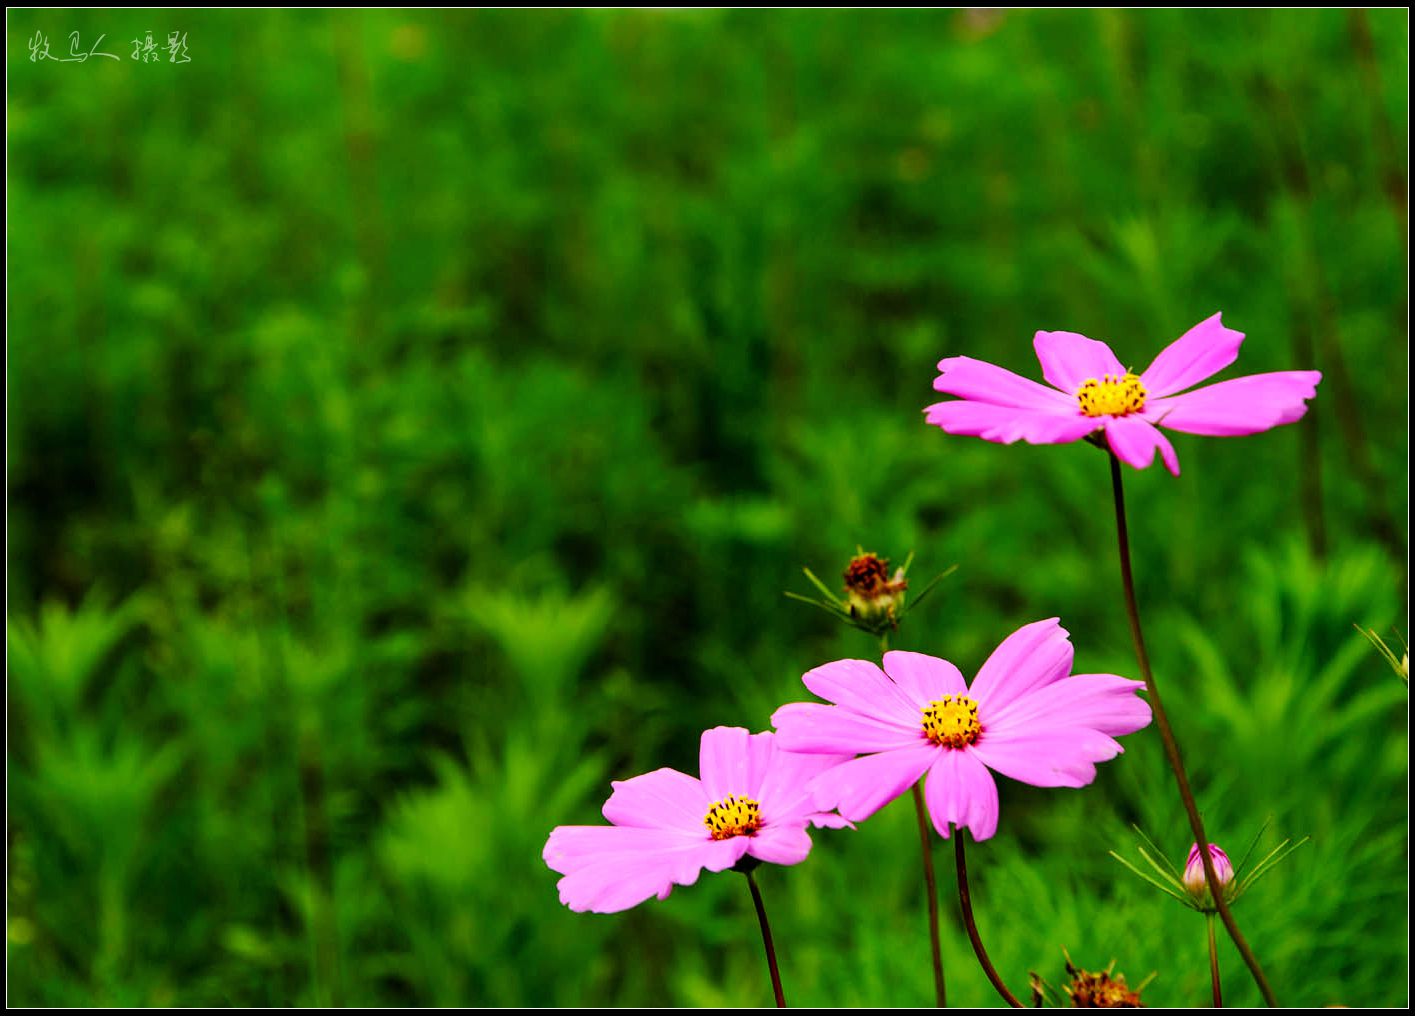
(1112, 396)
(952, 721)
(733, 816)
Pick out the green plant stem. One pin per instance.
(1171, 747)
(766, 941)
(931, 887)
(965, 900)
(1213, 964)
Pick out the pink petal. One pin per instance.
(960, 791)
(572, 847)
(1101, 702)
(780, 845)
(609, 888)
(1198, 354)
(1006, 425)
(608, 869)
(1032, 657)
(662, 799)
(1245, 405)
(980, 381)
(1135, 441)
(732, 761)
(1069, 359)
(1196, 879)
(861, 686)
(923, 678)
(1060, 757)
(785, 793)
(860, 788)
(815, 727)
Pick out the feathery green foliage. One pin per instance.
(416, 417)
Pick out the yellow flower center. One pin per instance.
(952, 721)
(1112, 396)
(733, 816)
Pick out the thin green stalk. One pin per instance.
(1213, 964)
(1171, 747)
(766, 941)
(965, 901)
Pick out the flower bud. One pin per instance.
(1196, 881)
(873, 596)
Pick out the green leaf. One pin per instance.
(1158, 852)
(1157, 883)
(828, 608)
(916, 600)
(1267, 863)
(825, 590)
(1252, 846)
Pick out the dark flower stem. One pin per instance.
(931, 886)
(1171, 747)
(965, 900)
(766, 941)
(930, 883)
(1213, 965)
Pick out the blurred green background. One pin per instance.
(415, 419)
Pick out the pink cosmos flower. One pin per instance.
(667, 827)
(1092, 391)
(1025, 716)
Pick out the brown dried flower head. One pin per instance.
(870, 591)
(1102, 990)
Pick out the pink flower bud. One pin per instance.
(1194, 879)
